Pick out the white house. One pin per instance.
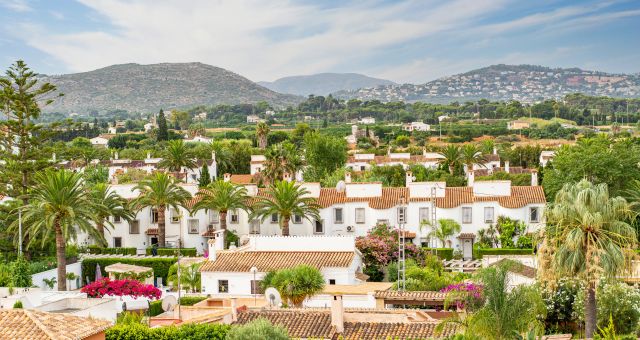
(148, 127)
(229, 272)
(367, 120)
(416, 126)
(546, 156)
(254, 119)
(257, 164)
(189, 175)
(364, 161)
(199, 139)
(101, 140)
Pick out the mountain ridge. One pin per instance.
(322, 83)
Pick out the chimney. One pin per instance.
(213, 156)
(354, 130)
(234, 309)
(227, 177)
(53, 157)
(212, 249)
(506, 166)
(337, 314)
(424, 152)
(286, 177)
(495, 150)
(219, 238)
(534, 178)
(148, 155)
(116, 155)
(409, 178)
(347, 177)
(470, 179)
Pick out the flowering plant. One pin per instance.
(126, 287)
(466, 295)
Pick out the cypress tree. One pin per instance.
(205, 178)
(163, 132)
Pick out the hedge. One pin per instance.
(191, 300)
(160, 266)
(191, 252)
(443, 253)
(479, 253)
(112, 251)
(184, 332)
(155, 308)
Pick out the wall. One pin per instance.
(71, 285)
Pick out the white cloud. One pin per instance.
(16, 5)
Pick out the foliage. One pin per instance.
(221, 196)
(466, 295)
(159, 265)
(17, 305)
(508, 229)
(155, 308)
(560, 301)
(323, 155)
(443, 253)
(129, 318)
(50, 282)
(42, 265)
(189, 276)
(107, 204)
(614, 299)
(191, 300)
(257, 330)
(190, 331)
(280, 159)
(126, 287)
(163, 133)
(422, 278)
(444, 229)
(94, 174)
(205, 177)
(523, 179)
(297, 284)
(480, 252)
(177, 156)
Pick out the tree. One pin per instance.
(586, 237)
(262, 131)
(403, 141)
(280, 159)
(297, 284)
(109, 204)
(205, 177)
(189, 276)
(286, 199)
(323, 155)
(160, 192)
(221, 196)
(452, 157)
(163, 131)
(177, 157)
(60, 206)
(445, 229)
(471, 155)
(257, 330)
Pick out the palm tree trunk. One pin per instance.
(223, 220)
(161, 227)
(61, 258)
(100, 227)
(590, 311)
(451, 169)
(285, 227)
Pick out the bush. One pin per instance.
(615, 300)
(191, 300)
(20, 274)
(42, 265)
(480, 252)
(257, 330)
(17, 305)
(160, 266)
(184, 332)
(190, 252)
(112, 251)
(443, 253)
(110, 287)
(155, 308)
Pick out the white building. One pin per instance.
(546, 156)
(416, 126)
(148, 127)
(254, 119)
(367, 120)
(118, 166)
(101, 140)
(364, 161)
(199, 139)
(229, 272)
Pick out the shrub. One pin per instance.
(155, 308)
(616, 300)
(17, 305)
(191, 300)
(190, 252)
(160, 266)
(42, 265)
(443, 253)
(110, 287)
(184, 332)
(20, 274)
(257, 330)
(560, 306)
(112, 251)
(480, 252)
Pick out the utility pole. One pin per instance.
(20, 231)
(401, 246)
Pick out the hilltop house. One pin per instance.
(518, 125)
(254, 119)
(367, 120)
(416, 126)
(101, 140)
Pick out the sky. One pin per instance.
(411, 41)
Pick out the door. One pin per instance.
(467, 249)
(154, 240)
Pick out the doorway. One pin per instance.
(467, 249)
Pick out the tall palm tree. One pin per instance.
(452, 157)
(471, 155)
(262, 130)
(445, 229)
(286, 199)
(159, 192)
(587, 235)
(110, 204)
(280, 159)
(177, 156)
(221, 196)
(60, 206)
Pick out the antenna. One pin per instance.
(273, 297)
(169, 303)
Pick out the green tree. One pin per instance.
(444, 229)
(586, 237)
(221, 196)
(109, 204)
(280, 159)
(258, 329)
(262, 131)
(160, 192)
(452, 157)
(403, 141)
(177, 157)
(163, 131)
(189, 276)
(298, 283)
(205, 177)
(323, 155)
(60, 206)
(471, 155)
(20, 273)
(286, 199)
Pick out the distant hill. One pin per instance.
(148, 88)
(526, 83)
(323, 83)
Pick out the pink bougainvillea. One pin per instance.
(465, 295)
(380, 246)
(125, 287)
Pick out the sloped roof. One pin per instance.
(299, 324)
(19, 324)
(400, 331)
(265, 261)
(410, 295)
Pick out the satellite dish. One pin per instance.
(244, 239)
(341, 186)
(273, 297)
(169, 303)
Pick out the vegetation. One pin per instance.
(257, 330)
(296, 284)
(189, 277)
(444, 229)
(159, 265)
(109, 204)
(221, 196)
(189, 331)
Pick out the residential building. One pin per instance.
(198, 139)
(24, 324)
(101, 140)
(254, 119)
(518, 125)
(546, 156)
(416, 126)
(367, 120)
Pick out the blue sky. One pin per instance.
(404, 41)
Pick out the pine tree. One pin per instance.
(205, 178)
(163, 132)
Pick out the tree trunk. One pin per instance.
(285, 227)
(223, 219)
(100, 228)
(161, 227)
(451, 169)
(590, 312)
(61, 258)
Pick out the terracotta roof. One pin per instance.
(241, 179)
(265, 261)
(19, 324)
(466, 235)
(152, 231)
(383, 331)
(209, 233)
(299, 324)
(410, 295)
(520, 196)
(386, 159)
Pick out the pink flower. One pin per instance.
(127, 287)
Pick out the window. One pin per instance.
(154, 215)
(488, 214)
(274, 218)
(337, 215)
(382, 222)
(117, 242)
(174, 215)
(402, 215)
(223, 286)
(332, 281)
(134, 227)
(359, 215)
(297, 219)
(255, 287)
(117, 219)
(318, 228)
(363, 168)
(424, 215)
(214, 216)
(194, 226)
(466, 214)
(234, 216)
(254, 227)
(534, 215)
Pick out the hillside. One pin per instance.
(323, 83)
(526, 83)
(147, 88)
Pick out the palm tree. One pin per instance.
(471, 155)
(445, 229)
(286, 199)
(298, 283)
(587, 235)
(177, 157)
(280, 159)
(221, 196)
(60, 206)
(110, 204)
(160, 192)
(262, 130)
(452, 157)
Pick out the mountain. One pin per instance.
(526, 83)
(323, 83)
(148, 88)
